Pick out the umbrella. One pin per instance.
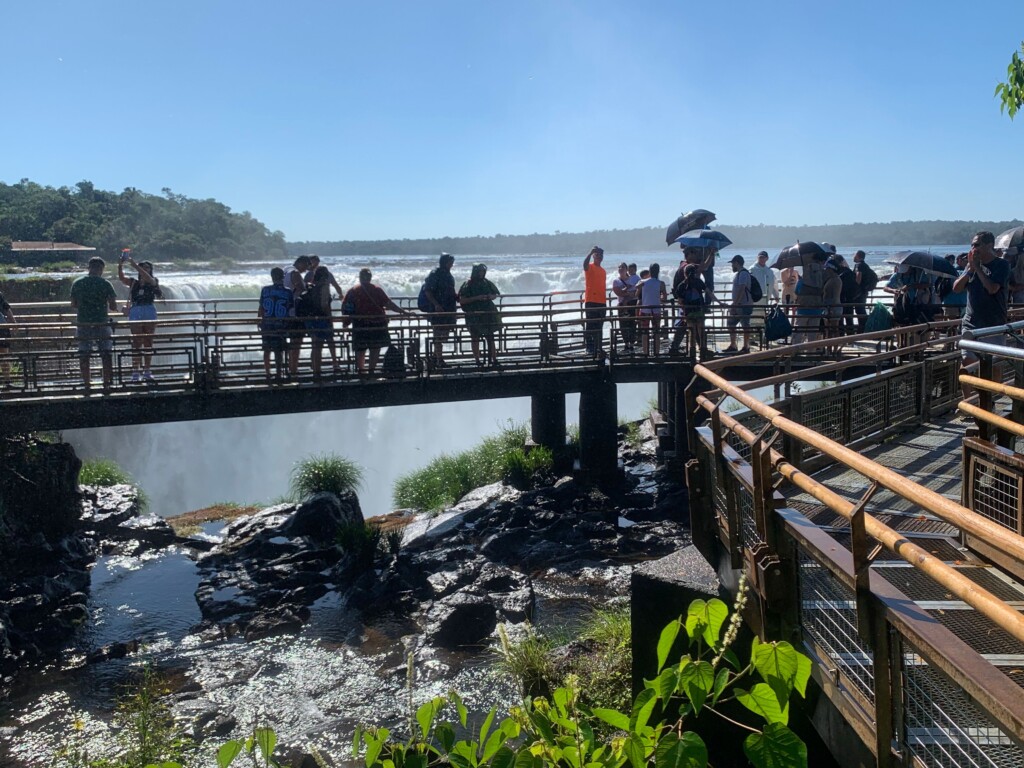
(1011, 238)
(794, 255)
(697, 219)
(926, 262)
(703, 238)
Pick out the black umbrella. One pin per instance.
(1011, 238)
(696, 219)
(794, 255)
(926, 262)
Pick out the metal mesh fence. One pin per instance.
(904, 397)
(944, 728)
(995, 493)
(942, 383)
(867, 409)
(828, 615)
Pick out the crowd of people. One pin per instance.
(825, 296)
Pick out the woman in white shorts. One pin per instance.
(143, 291)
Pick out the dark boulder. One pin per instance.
(461, 620)
(320, 516)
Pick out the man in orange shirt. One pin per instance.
(595, 299)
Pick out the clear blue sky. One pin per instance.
(352, 120)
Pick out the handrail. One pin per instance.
(995, 420)
(979, 598)
(938, 505)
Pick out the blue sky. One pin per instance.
(353, 120)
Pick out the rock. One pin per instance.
(460, 620)
(213, 723)
(112, 651)
(320, 516)
(281, 622)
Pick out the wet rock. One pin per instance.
(320, 516)
(213, 723)
(282, 622)
(112, 651)
(460, 620)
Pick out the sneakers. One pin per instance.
(730, 348)
(148, 377)
(136, 377)
(745, 351)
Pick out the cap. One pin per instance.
(762, 253)
(737, 259)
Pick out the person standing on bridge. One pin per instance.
(297, 285)
(595, 300)
(143, 291)
(477, 297)
(987, 283)
(6, 317)
(277, 304)
(741, 307)
(442, 303)
(365, 306)
(92, 296)
(314, 265)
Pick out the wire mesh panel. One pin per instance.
(828, 614)
(867, 409)
(944, 728)
(748, 524)
(904, 397)
(942, 383)
(826, 413)
(994, 491)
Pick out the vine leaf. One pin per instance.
(775, 747)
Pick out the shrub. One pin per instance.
(102, 472)
(450, 477)
(325, 473)
(361, 542)
(527, 660)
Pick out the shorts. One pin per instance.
(443, 322)
(370, 337)
(274, 340)
(5, 334)
(319, 328)
(808, 311)
(142, 312)
(100, 336)
(834, 312)
(739, 316)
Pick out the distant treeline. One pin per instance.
(165, 228)
(653, 238)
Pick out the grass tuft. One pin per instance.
(102, 472)
(448, 478)
(328, 473)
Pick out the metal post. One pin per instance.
(547, 420)
(599, 456)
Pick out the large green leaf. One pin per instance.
(782, 667)
(503, 758)
(706, 618)
(635, 752)
(666, 641)
(267, 740)
(526, 759)
(761, 700)
(228, 752)
(687, 752)
(643, 705)
(665, 683)
(445, 735)
(613, 718)
(486, 727)
(460, 707)
(721, 682)
(776, 747)
(697, 680)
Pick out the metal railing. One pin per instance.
(909, 686)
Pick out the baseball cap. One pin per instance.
(737, 259)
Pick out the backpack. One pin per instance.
(879, 319)
(305, 305)
(393, 364)
(422, 302)
(868, 279)
(904, 309)
(944, 287)
(756, 294)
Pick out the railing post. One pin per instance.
(792, 448)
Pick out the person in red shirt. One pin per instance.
(365, 307)
(595, 299)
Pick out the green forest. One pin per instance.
(165, 227)
(645, 239)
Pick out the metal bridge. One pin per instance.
(879, 521)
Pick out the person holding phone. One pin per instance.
(143, 290)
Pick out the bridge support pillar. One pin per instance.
(599, 423)
(547, 421)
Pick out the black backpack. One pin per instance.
(393, 364)
(868, 279)
(756, 293)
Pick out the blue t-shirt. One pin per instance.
(441, 284)
(986, 309)
(276, 301)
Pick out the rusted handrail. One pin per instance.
(938, 505)
(979, 598)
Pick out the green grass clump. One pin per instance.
(528, 660)
(325, 473)
(606, 674)
(102, 472)
(448, 478)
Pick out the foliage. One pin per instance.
(361, 542)
(606, 673)
(527, 659)
(558, 731)
(166, 227)
(102, 472)
(325, 472)
(631, 434)
(1011, 93)
(448, 478)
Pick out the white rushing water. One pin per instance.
(184, 466)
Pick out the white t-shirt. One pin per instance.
(766, 277)
(650, 295)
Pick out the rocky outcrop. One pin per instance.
(274, 564)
